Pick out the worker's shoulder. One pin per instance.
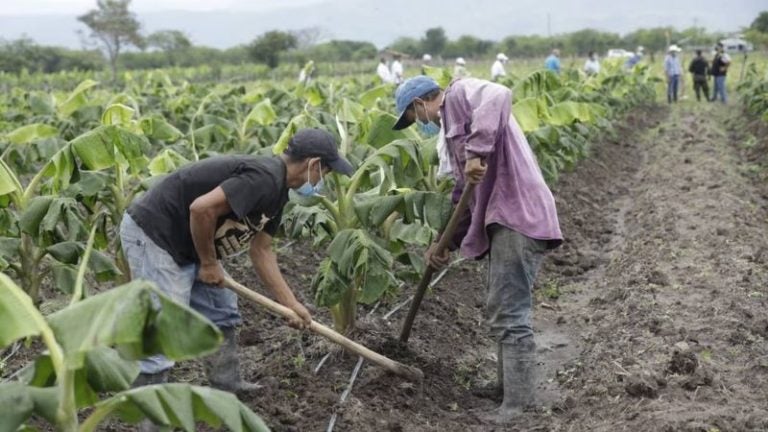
(271, 166)
(475, 91)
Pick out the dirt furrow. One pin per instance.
(649, 317)
(673, 335)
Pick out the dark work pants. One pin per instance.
(701, 86)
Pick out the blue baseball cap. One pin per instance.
(408, 91)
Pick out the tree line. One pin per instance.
(114, 28)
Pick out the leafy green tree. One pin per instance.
(434, 41)
(652, 39)
(583, 41)
(760, 23)
(525, 46)
(757, 33)
(115, 27)
(697, 36)
(335, 51)
(468, 46)
(758, 38)
(309, 36)
(268, 47)
(366, 52)
(407, 45)
(24, 53)
(171, 42)
(20, 54)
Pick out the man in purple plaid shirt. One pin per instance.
(511, 216)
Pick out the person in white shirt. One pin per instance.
(383, 72)
(397, 70)
(307, 73)
(426, 61)
(460, 70)
(592, 66)
(674, 70)
(497, 70)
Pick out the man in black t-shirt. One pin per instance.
(699, 67)
(175, 234)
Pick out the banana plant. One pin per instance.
(114, 155)
(71, 113)
(91, 348)
(754, 92)
(558, 132)
(369, 218)
(53, 223)
(35, 227)
(49, 123)
(561, 115)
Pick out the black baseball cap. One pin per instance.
(310, 143)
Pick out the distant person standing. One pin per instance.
(307, 73)
(592, 66)
(635, 59)
(497, 69)
(552, 63)
(426, 61)
(699, 68)
(673, 69)
(460, 69)
(396, 70)
(719, 70)
(383, 71)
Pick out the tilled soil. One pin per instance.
(651, 316)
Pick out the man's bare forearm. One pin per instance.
(202, 225)
(265, 263)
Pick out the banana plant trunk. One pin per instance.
(345, 312)
(30, 274)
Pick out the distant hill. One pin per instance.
(382, 22)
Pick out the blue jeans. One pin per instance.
(514, 261)
(720, 89)
(672, 85)
(149, 261)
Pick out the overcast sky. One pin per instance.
(227, 23)
(25, 7)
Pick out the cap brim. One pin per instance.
(341, 166)
(402, 122)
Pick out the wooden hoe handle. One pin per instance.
(442, 244)
(409, 372)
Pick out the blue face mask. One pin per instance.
(429, 128)
(308, 190)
